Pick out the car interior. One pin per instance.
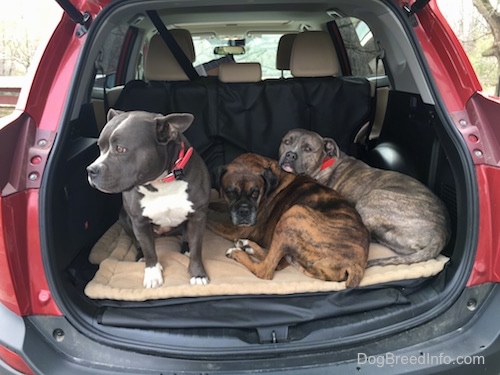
(349, 70)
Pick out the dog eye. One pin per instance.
(286, 141)
(255, 194)
(120, 149)
(231, 193)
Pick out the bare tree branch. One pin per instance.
(492, 17)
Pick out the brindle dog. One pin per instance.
(276, 215)
(399, 211)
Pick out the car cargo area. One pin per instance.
(382, 110)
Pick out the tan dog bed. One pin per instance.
(120, 277)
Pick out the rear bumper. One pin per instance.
(464, 340)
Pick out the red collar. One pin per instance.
(178, 169)
(328, 162)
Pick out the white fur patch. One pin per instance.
(198, 281)
(153, 277)
(169, 205)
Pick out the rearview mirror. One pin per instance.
(229, 50)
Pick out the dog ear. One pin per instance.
(270, 181)
(112, 113)
(331, 147)
(169, 126)
(218, 174)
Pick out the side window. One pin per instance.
(107, 62)
(107, 66)
(361, 47)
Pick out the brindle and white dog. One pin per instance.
(279, 218)
(399, 211)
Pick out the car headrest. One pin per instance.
(160, 64)
(240, 72)
(313, 55)
(284, 52)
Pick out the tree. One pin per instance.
(16, 47)
(492, 16)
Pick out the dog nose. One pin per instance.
(291, 156)
(244, 210)
(93, 170)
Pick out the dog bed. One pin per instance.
(120, 277)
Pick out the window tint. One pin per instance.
(361, 47)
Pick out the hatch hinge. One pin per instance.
(82, 19)
(413, 9)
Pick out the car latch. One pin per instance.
(273, 335)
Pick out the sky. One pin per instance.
(36, 15)
(32, 9)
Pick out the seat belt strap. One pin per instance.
(169, 40)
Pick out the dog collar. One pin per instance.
(328, 162)
(178, 169)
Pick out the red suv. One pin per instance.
(403, 97)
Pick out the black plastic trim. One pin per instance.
(55, 347)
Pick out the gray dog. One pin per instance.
(164, 183)
(399, 211)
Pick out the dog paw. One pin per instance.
(185, 248)
(230, 251)
(200, 280)
(153, 277)
(242, 244)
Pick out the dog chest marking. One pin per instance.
(169, 205)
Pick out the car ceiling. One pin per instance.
(226, 18)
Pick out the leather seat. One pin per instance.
(313, 55)
(240, 72)
(160, 64)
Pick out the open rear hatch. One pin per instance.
(75, 218)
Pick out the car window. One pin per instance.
(361, 47)
(259, 48)
(107, 61)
